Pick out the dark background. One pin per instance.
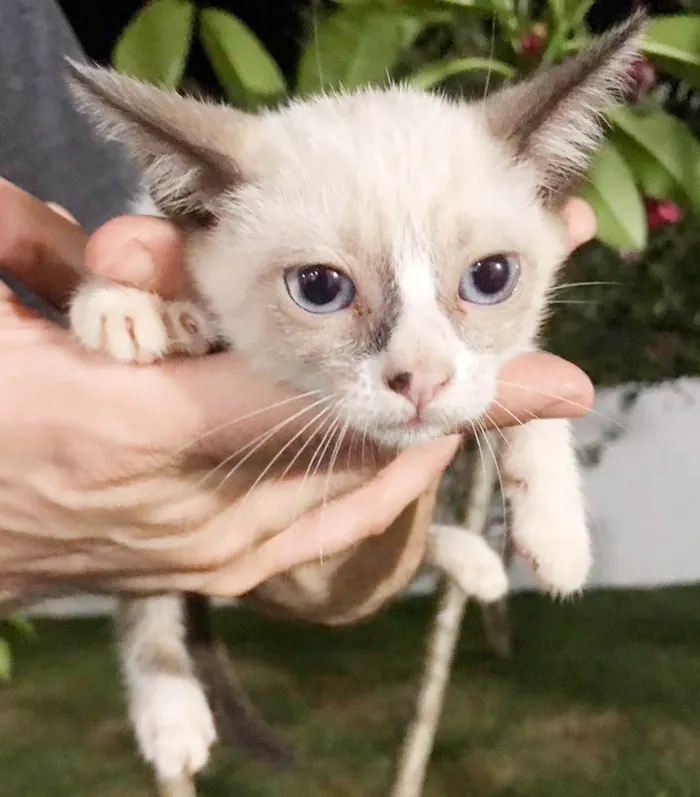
(279, 24)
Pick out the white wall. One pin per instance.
(644, 495)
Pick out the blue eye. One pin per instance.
(490, 280)
(319, 289)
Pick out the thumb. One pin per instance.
(142, 251)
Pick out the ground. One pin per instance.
(600, 697)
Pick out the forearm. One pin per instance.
(46, 146)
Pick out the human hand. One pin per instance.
(84, 501)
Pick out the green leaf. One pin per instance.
(247, 72)
(653, 179)
(674, 43)
(669, 141)
(575, 12)
(5, 661)
(557, 7)
(354, 47)
(611, 191)
(155, 44)
(434, 73)
(22, 624)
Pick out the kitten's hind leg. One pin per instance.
(469, 561)
(543, 485)
(167, 705)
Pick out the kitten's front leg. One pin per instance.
(542, 482)
(167, 704)
(134, 326)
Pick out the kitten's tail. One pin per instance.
(238, 724)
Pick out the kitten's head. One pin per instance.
(388, 248)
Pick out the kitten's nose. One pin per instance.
(421, 387)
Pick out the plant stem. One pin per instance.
(417, 746)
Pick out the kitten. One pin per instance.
(388, 249)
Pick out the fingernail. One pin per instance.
(132, 263)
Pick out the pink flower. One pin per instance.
(661, 212)
(532, 42)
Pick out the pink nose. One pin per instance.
(419, 388)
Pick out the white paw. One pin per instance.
(543, 486)
(557, 547)
(174, 726)
(134, 326)
(469, 561)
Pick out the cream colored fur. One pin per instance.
(383, 185)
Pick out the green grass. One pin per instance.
(602, 697)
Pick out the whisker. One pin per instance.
(496, 463)
(475, 432)
(574, 301)
(334, 457)
(492, 50)
(317, 50)
(565, 401)
(327, 482)
(156, 543)
(274, 459)
(241, 418)
(505, 409)
(301, 450)
(320, 453)
(259, 442)
(567, 285)
(497, 429)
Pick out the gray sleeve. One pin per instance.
(46, 147)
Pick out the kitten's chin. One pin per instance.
(400, 437)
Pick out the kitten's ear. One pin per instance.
(554, 119)
(187, 149)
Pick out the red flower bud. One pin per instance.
(661, 212)
(532, 42)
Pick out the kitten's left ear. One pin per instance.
(554, 119)
(191, 151)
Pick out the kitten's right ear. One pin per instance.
(189, 150)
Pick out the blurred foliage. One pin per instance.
(12, 627)
(643, 327)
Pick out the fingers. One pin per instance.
(580, 222)
(40, 247)
(143, 251)
(206, 397)
(343, 522)
(539, 385)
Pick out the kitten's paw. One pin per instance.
(557, 545)
(548, 510)
(134, 326)
(190, 329)
(174, 726)
(469, 561)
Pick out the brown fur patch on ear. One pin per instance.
(555, 119)
(183, 145)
